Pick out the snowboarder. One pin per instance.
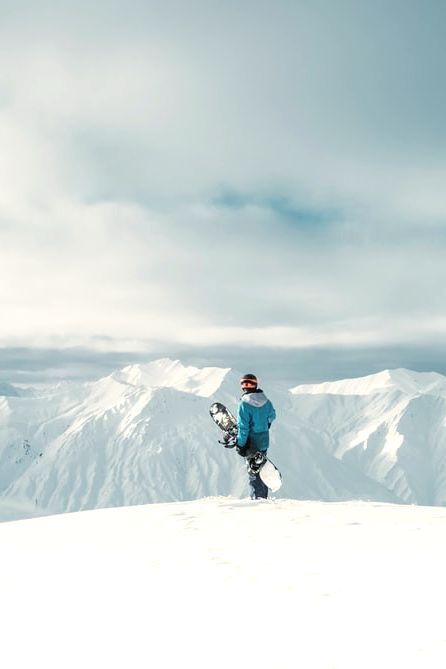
(255, 415)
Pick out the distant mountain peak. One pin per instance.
(404, 380)
(169, 373)
(144, 434)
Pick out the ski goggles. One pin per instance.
(247, 383)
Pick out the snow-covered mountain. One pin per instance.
(143, 434)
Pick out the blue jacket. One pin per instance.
(255, 415)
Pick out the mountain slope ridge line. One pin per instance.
(113, 442)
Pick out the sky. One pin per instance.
(246, 183)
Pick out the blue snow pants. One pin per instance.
(258, 489)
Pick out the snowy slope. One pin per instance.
(116, 441)
(390, 426)
(226, 583)
(167, 373)
(143, 434)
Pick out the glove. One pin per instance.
(241, 450)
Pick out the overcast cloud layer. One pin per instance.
(224, 174)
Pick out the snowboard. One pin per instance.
(267, 471)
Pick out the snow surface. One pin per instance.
(405, 380)
(143, 434)
(168, 373)
(226, 583)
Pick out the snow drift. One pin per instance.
(224, 583)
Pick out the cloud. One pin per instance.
(272, 365)
(222, 173)
(122, 271)
(303, 98)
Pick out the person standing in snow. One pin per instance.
(255, 415)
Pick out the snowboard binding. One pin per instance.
(226, 422)
(256, 462)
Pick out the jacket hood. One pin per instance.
(255, 399)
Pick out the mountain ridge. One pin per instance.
(400, 379)
(143, 434)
